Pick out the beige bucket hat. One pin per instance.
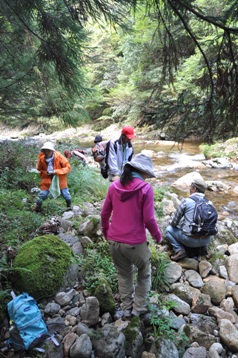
(49, 146)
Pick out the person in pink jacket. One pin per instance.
(127, 212)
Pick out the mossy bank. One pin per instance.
(41, 265)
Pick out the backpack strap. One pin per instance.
(54, 340)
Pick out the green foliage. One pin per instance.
(16, 158)
(17, 221)
(159, 193)
(41, 69)
(86, 184)
(183, 90)
(211, 151)
(159, 262)
(5, 297)
(160, 320)
(162, 323)
(97, 265)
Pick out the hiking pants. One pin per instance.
(43, 194)
(178, 239)
(126, 259)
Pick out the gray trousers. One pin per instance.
(133, 289)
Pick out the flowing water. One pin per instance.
(171, 162)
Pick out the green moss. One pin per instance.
(103, 292)
(41, 265)
(131, 330)
(187, 330)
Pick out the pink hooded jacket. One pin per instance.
(132, 209)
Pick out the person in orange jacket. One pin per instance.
(52, 163)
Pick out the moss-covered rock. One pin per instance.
(41, 265)
(103, 292)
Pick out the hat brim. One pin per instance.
(46, 148)
(150, 173)
(130, 136)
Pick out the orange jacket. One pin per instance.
(61, 166)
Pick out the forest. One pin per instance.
(170, 64)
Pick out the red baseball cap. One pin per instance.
(128, 131)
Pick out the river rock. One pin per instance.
(220, 314)
(204, 268)
(68, 341)
(229, 335)
(204, 323)
(172, 272)
(193, 278)
(186, 180)
(195, 352)
(109, 342)
(185, 292)
(82, 347)
(215, 288)
(90, 311)
(221, 163)
(215, 350)
(181, 306)
(231, 265)
(233, 248)
(196, 335)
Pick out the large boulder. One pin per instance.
(41, 266)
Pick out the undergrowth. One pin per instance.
(19, 184)
(97, 264)
(163, 324)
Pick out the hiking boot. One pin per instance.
(69, 205)
(37, 208)
(126, 314)
(203, 251)
(179, 255)
(136, 313)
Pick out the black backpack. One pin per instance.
(204, 217)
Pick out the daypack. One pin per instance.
(104, 170)
(99, 152)
(27, 327)
(204, 218)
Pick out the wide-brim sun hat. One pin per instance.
(48, 146)
(128, 131)
(143, 163)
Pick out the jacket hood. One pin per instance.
(126, 192)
